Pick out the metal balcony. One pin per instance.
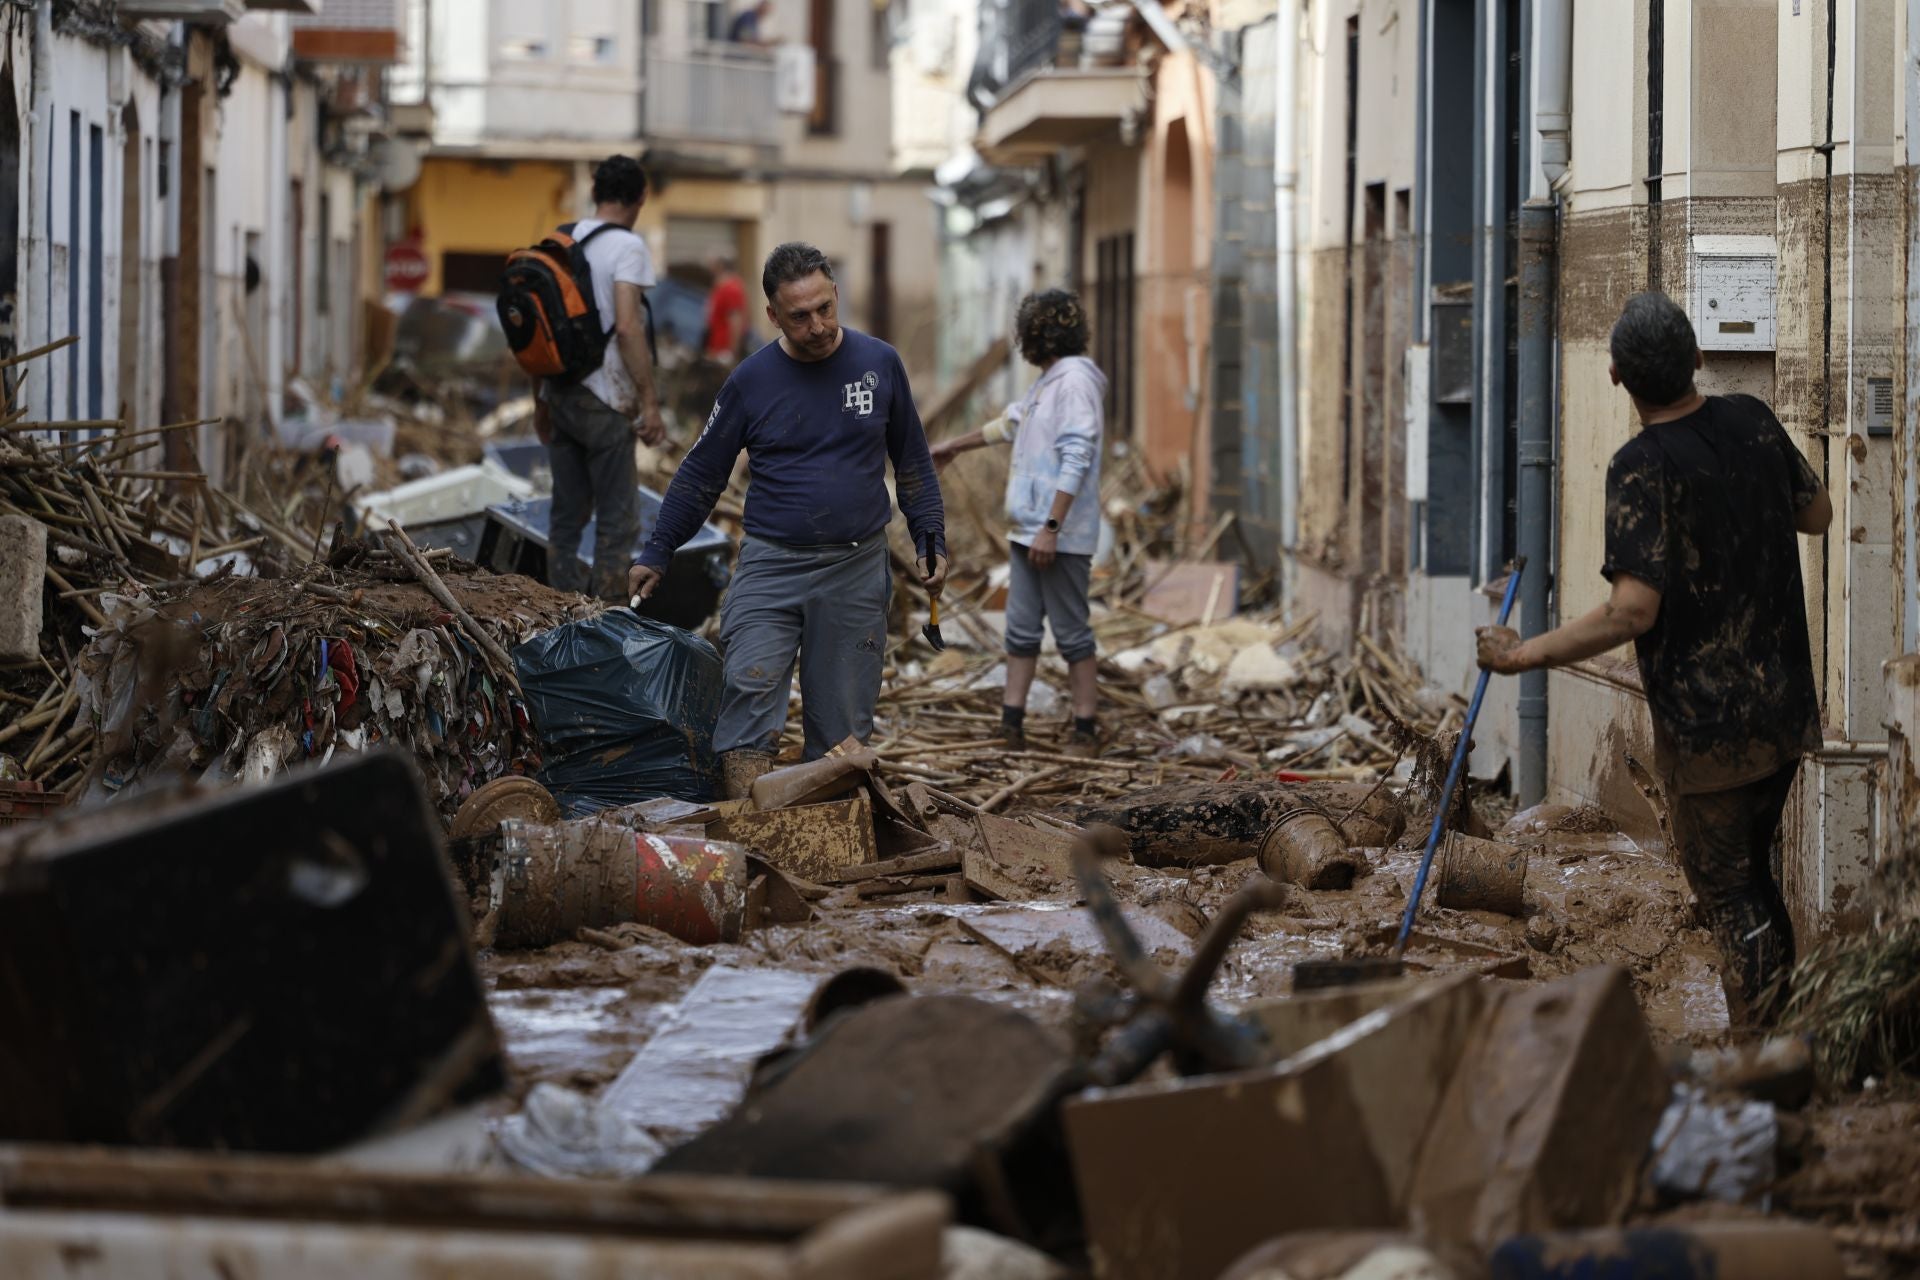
(723, 94)
(1032, 34)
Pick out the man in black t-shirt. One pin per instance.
(1702, 508)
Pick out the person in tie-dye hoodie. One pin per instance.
(1053, 508)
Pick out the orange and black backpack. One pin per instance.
(547, 308)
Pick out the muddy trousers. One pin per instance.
(593, 478)
(825, 606)
(1728, 844)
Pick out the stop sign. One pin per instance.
(406, 268)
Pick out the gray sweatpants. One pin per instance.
(828, 604)
(593, 476)
(1056, 594)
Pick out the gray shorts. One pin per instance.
(1055, 595)
(828, 606)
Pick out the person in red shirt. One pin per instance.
(726, 313)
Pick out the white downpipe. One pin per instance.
(34, 323)
(1553, 72)
(1285, 179)
(277, 248)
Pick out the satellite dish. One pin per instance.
(397, 162)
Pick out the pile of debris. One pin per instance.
(240, 677)
(86, 514)
(159, 627)
(1247, 698)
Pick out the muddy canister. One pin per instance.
(1304, 847)
(1481, 875)
(551, 881)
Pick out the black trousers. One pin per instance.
(1728, 845)
(593, 478)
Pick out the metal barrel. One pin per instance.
(549, 882)
(1482, 875)
(1304, 847)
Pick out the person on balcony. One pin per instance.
(747, 26)
(1702, 508)
(1053, 506)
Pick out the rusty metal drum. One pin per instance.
(549, 882)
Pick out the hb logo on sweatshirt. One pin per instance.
(859, 395)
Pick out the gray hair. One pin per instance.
(792, 261)
(1653, 349)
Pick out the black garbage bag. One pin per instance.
(625, 709)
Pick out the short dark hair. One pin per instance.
(1051, 324)
(619, 180)
(1653, 348)
(794, 260)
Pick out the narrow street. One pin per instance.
(959, 639)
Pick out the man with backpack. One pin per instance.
(575, 313)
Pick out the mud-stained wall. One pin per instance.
(1862, 610)
(1602, 264)
(1352, 521)
(1322, 436)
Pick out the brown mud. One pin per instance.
(576, 1013)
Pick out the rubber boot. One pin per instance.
(739, 768)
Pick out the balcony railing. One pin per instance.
(1033, 35)
(1016, 38)
(717, 95)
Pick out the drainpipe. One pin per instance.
(1539, 226)
(1910, 472)
(35, 305)
(1285, 176)
(1553, 85)
(1539, 235)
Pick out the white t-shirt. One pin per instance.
(617, 256)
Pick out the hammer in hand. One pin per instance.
(932, 628)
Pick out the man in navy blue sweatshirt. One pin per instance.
(819, 413)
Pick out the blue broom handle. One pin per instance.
(1453, 773)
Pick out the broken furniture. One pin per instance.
(132, 1215)
(1466, 1110)
(518, 532)
(446, 510)
(276, 968)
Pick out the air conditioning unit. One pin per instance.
(794, 80)
(203, 12)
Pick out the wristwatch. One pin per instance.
(1053, 526)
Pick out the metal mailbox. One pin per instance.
(1733, 292)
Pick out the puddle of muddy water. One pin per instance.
(570, 1033)
(1691, 1005)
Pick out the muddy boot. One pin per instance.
(1083, 743)
(1013, 728)
(739, 768)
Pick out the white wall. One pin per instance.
(932, 119)
(95, 84)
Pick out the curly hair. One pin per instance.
(619, 180)
(1051, 324)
